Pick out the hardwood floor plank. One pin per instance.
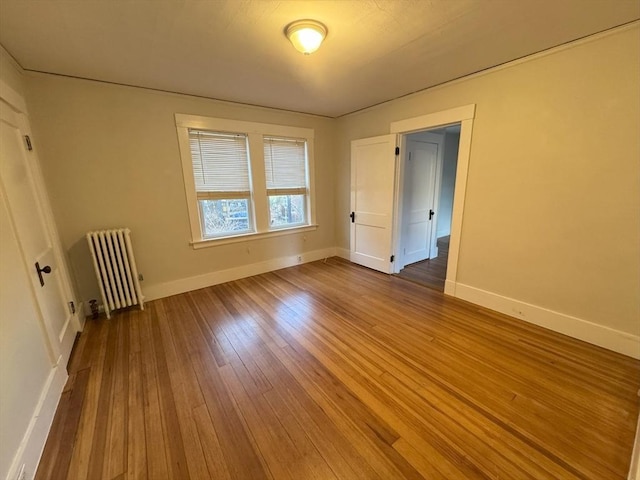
(57, 454)
(187, 454)
(136, 442)
(116, 461)
(429, 463)
(153, 417)
(72, 419)
(241, 458)
(279, 451)
(210, 444)
(372, 430)
(174, 442)
(332, 371)
(101, 428)
(50, 457)
(93, 360)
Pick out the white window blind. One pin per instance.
(285, 162)
(220, 164)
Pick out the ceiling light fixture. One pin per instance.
(306, 35)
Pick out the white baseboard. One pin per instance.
(81, 315)
(600, 335)
(175, 287)
(634, 468)
(343, 253)
(450, 288)
(32, 444)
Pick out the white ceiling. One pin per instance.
(376, 50)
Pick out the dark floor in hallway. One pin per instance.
(431, 273)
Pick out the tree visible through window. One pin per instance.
(221, 176)
(224, 216)
(243, 178)
(286, 209)
(286, 174)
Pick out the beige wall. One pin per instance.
(110, 157)
(552, 212)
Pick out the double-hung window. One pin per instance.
(221, 175)
(285, 164)
(244, 179)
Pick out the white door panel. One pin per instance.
(374, 239)
(372, 194)
(416, 233)
(373, 219)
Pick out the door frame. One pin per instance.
(465, 116)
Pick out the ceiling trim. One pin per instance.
(511, 63)
(172, 92)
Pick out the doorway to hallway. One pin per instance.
(431, 272)
(427, 191)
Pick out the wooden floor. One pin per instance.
(433, 272)
(333, 371)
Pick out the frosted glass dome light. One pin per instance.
(306, 35)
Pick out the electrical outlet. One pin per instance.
(140, 277)
(299, 258)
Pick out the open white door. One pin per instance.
(373, 167)
(419, 194)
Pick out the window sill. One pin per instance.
(214, 242)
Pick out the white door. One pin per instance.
(26, 360)
(418, 200)
(373, 167)
(34, 236)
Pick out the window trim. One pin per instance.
(259, 196)
(243, 237)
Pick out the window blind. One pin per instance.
(285, 166)
(220, 164)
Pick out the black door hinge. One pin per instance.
(431, 214)
(72, 307)
(353, 217)
(397, 150)
(27, 140)
(393, 257)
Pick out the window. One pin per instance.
(285, 167)
(221, 175)
(244, 178)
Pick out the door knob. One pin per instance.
(45, 269)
